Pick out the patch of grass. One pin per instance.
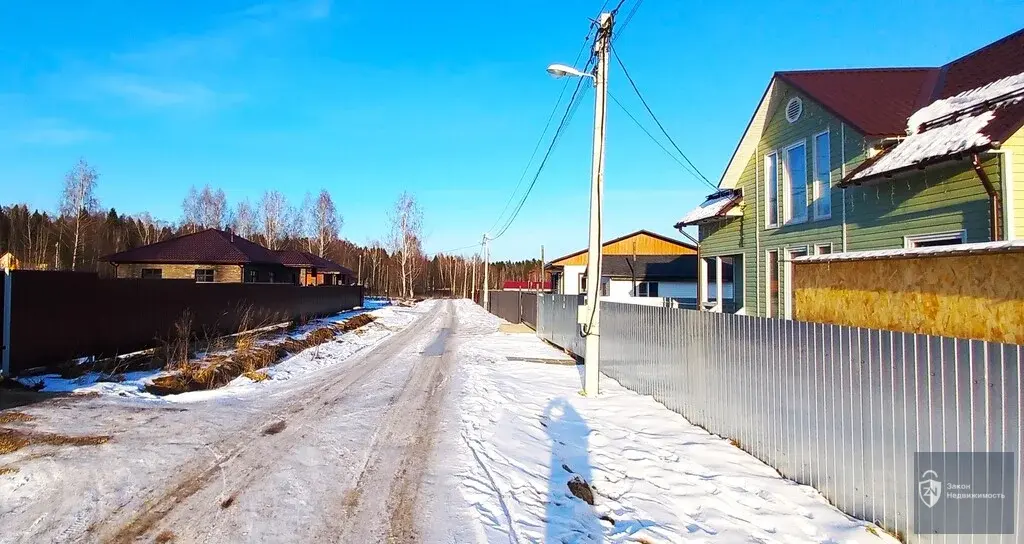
(581, 490)
(12, 440)
(735, 443)
(14, 417)
(249, 357)
(8, 470)
(164, 537)
(257, 375)
(275, 427)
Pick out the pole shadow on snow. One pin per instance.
(569, 516)
(570, 512)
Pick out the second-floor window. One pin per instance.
(822, 177)
(794, 177)
(771, 189)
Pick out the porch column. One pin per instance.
(702, 282)
(719, 306)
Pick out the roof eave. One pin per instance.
(923, 165)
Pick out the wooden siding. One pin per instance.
(959, 296)
(939, 199)
(739, 236)
(1015, 144)
(222, 273)
(639, 244)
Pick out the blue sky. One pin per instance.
(444, 100)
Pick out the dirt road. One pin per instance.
(337, 457)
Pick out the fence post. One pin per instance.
(5, 369)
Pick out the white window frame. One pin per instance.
(787, 274)
(769, 274)
(212, 271)
(582, 280)
(817, 248)
(787, 185)
(910, 242)
(815, 196)
(771, 217)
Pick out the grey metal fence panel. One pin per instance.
(840, 408)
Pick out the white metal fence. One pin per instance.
(840, 408)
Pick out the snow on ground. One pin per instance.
(526, 432)
(388, 320)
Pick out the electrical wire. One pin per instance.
(653, 139)
(625, 22)
(658, 122)
(574, 102)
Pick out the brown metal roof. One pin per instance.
(211, 246)
(297, 259)
(876, 102)
(997, 60)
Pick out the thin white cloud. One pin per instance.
(238, 30)
(161, 94)
(52, 132)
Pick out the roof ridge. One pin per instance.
(839, 70)
(1006, 38)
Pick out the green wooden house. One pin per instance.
(868, 159)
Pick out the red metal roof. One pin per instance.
(877, 102)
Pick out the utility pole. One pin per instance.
(540, 279)
(487, 266)
(590, 314)
(472, 292)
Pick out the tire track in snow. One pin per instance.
(304, 404)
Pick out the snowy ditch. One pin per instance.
(276, 355)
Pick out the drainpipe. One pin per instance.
(1006, 183)
(700, 277)
(995, 207)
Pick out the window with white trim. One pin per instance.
(933, 240)
(822, 177)
(647, 289)
(794, 180)
(771, 272)
(771, 189)
(823, 249)
(583, 283)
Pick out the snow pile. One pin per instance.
(961, 133)
(388, 321)
(714, 206)
(655, 477)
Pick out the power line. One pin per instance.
(566, 118)
(658, 122)
(653, 139)
(625, 22)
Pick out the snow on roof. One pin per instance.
(955, 249)
(715, 205)
(948, 126)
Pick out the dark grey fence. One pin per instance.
(842, 409)
(514, 306)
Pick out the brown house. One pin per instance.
(314, 270)
(217, 256)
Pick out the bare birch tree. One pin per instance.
(243, 220)
(190, 210)
(323, 223)
(273, 218)
(406, 223)
(78, 201)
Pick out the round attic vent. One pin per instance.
(793, 109)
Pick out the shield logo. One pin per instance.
(929, 488)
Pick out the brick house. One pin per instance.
(217, 256)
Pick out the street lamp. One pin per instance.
(589, 315)
(562, 70)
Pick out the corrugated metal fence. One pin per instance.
(514, 306)
(840, 408)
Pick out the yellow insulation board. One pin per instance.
(977, 296)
